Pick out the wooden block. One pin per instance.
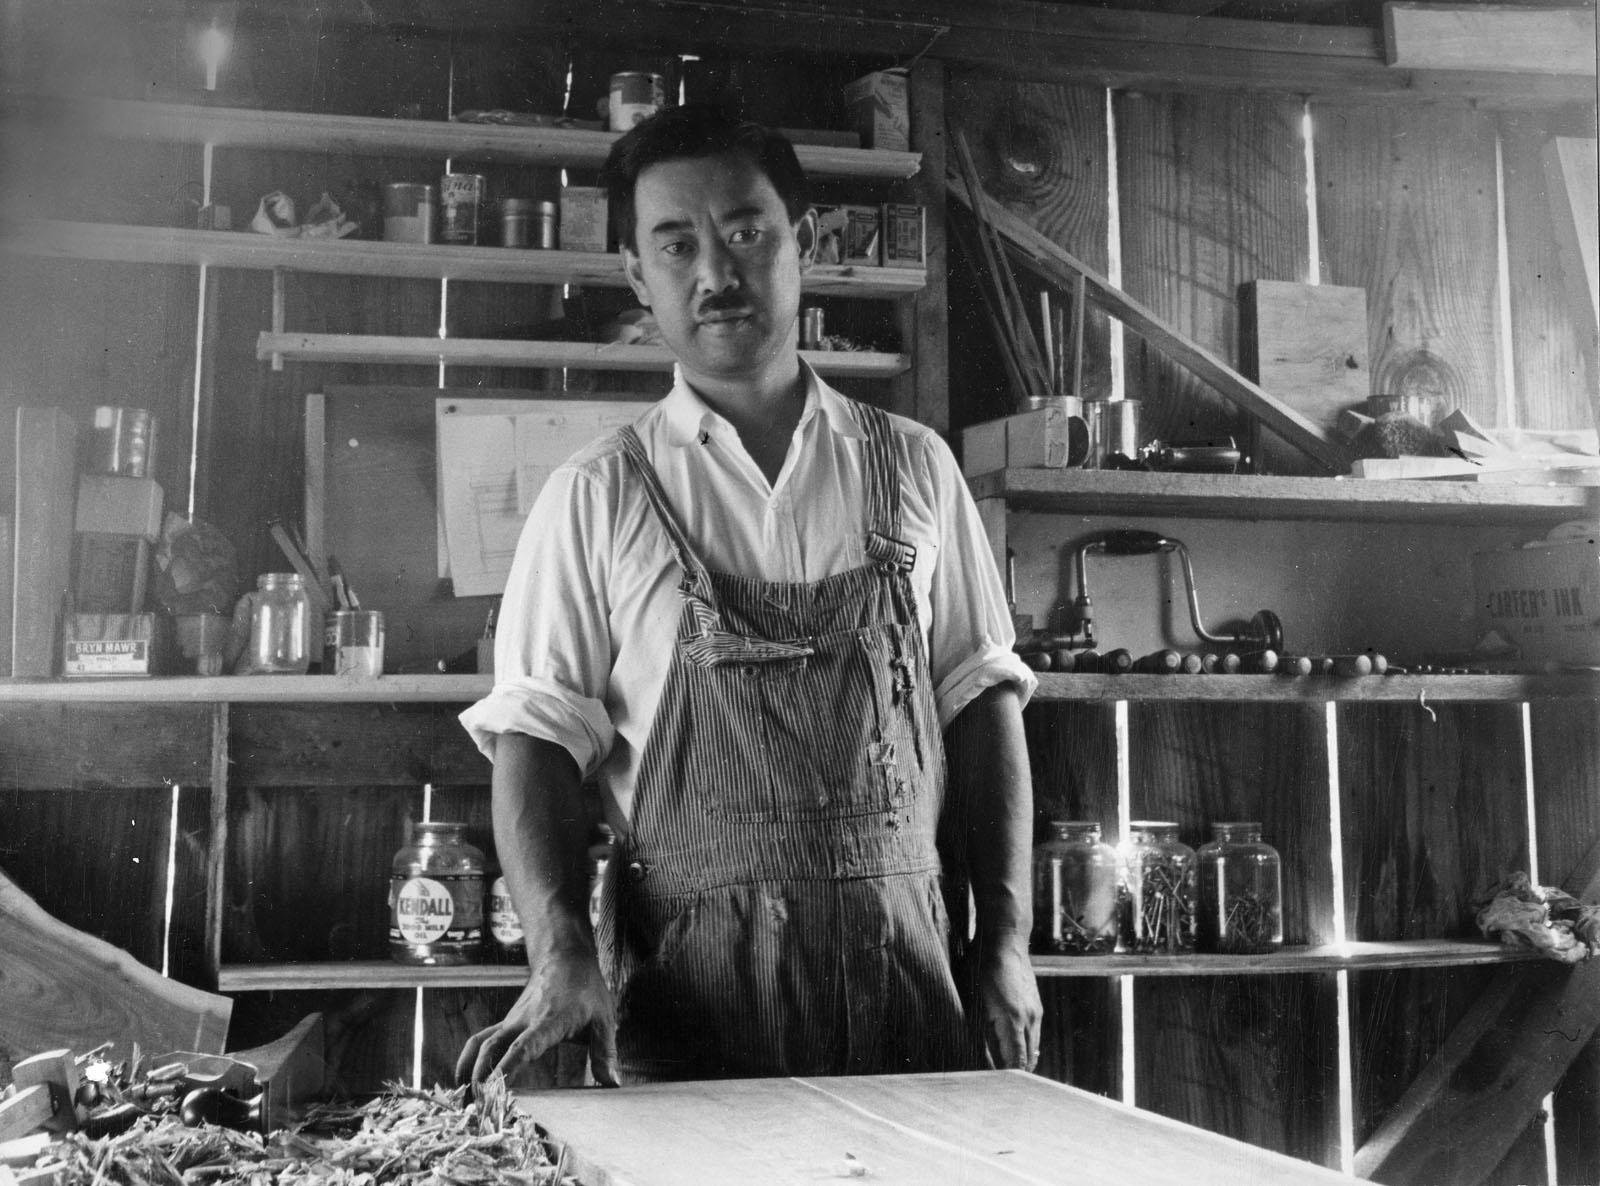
(26, 1111)
(56, 1073)
(46, 484)
(1306, 344)
(113, 505)
(983, 447)
(1490, 37)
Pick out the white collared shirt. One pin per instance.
(590, 617)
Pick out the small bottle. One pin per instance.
(1158, 887)
(1074, 891)
(436, 897)
(1241, 891)
(508, 943)
(280, 625)
(546, 236)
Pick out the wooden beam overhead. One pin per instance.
(1513, 39)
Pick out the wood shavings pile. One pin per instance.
(404, 1137)
(1549, 920)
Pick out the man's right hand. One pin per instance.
(565, 1000)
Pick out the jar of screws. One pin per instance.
(1074, 891)
(1241, 891)
(1158, 890)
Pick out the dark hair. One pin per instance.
(697, 130)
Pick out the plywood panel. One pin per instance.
(1271, 1039)
(1552, 340)
(1250, 1057)
(103, 746)
(1040, 149)
(1212, 195)
(308, 872)
(1566, 779)
(97, 862)
(333, 745)
(1406, 210)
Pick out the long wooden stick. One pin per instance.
(1013, 375)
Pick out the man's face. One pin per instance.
(719, 264)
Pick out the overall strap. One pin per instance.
(696, 584)
(884, 543)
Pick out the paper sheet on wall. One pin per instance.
(494, 458)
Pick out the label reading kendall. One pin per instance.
(425, 910)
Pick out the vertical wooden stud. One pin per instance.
(217, 858)
(923, 392)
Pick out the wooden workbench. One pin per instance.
(991, 1127)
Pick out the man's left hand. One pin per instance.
(1008, 1004)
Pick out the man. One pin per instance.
(724, 613)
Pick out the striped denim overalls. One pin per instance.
(774, 906)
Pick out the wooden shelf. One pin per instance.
(495, 352)
(245, 689)
(1263, 496)
(462, 689)
(233, 127)
(1315, 689)
(1355, 957)
(51, 239)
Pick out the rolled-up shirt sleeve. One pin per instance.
(972, 633)
(552, 647)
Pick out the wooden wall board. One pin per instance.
(187, 941)
(292, 745)
(1198, 764)
(1552, 338)
(1433, 815)
(1566, 779)
(1251, 1057)
(95, 861)
(1406, 210)
(308, 871)
(103, 746)
(1526, 1164)
(1040, 149)
(1212, 194)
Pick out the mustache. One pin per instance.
(722, 304)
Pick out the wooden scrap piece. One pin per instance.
(1499, 38)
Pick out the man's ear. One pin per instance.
(635, 274)
(805, 231)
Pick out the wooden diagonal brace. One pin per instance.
(1462, 1114)
(1062, 268)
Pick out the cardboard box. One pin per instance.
(1046, 438)
(111, 505)
(102, 645)
(880, 103)
(863, 236)
(583, 218)
(46, 489)
(1543, 598)
(904, 236)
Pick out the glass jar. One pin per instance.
(600, 852)
(1241, 891)
(1158, 890)
(436, 897)
(507, 941)
(280, 625)
(1074, 891)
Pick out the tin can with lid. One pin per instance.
(546, 236)
(122, 441)
(408, 212)
(436, 897)
(516, 222)
(460, 206)
(635, 97)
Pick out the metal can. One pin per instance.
(811, 323)
(122, 442)
(516, 222)
(436, 897)
(546, 237)
(408, 211)
(460, 206)
(635, 97)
